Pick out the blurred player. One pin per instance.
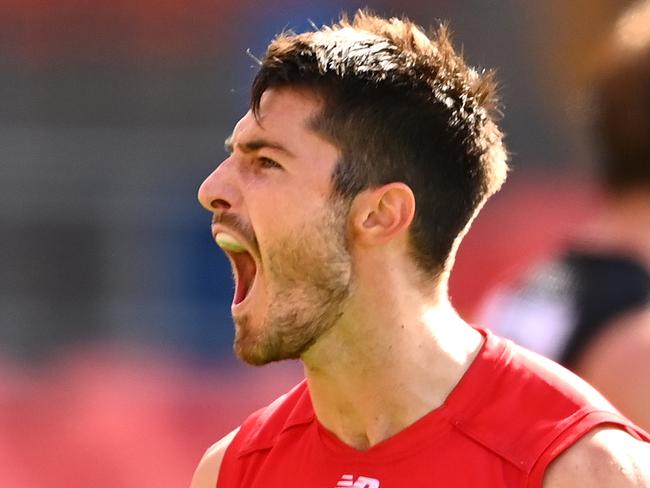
(367, 152)
(589, 308)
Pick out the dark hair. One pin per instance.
(622, 102)
(400, 106)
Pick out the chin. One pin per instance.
(258, 355)
(263, 347)
(252, 345)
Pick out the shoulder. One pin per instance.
(518, 404)
(518, 376)
(547, 381)
(207, 472)
(229, 457)
(617, 362)
(604, 457)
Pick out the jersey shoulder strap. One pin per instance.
(261, 429)
(528, 409)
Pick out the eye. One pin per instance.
(267, 163)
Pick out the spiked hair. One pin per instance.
(400, 106)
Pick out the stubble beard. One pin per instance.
(308, 275)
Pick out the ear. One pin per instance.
(380, 214)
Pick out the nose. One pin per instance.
(218, 191)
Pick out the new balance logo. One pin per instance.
(361, 482)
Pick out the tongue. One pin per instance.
(246, 270)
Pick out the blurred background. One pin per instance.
(116, 367)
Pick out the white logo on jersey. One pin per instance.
(361, 482)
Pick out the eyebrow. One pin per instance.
(255, 145)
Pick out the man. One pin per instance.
(366, 153)
(589, 307)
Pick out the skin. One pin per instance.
(617, 363)
(303, 267)
(400, 347)
(622, 227)
(603, 458)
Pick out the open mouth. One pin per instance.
(244, 266)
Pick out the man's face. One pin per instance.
(284, 235)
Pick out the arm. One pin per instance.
(207, 472)
(607, 457)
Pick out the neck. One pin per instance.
(388, 362)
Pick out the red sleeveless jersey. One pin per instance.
(511, 414)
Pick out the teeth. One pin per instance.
(229, 243)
